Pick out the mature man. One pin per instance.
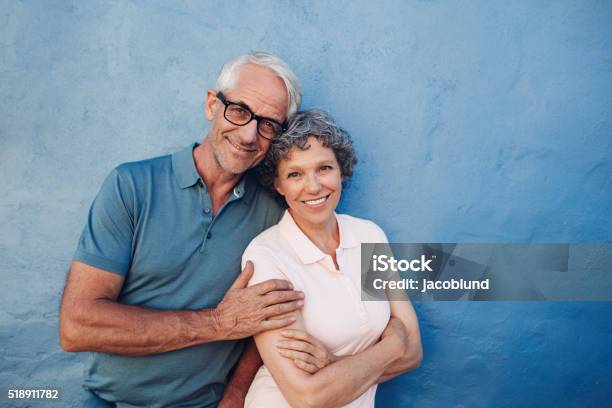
(153, 287)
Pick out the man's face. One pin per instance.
(239, 148)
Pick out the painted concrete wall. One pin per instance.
(475, 122)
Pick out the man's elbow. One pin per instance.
(70, 333)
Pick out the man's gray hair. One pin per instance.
(229, 73)
(316, 123)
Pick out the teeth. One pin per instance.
(315, 202)
(238, 147)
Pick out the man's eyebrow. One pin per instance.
(244, 105)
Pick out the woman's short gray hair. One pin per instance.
(229, 73)
(316, 123)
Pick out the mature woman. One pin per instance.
(319, 252)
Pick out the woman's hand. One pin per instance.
(307, 353)
(396, 331)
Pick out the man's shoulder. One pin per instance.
(144, 167)
(267, 201)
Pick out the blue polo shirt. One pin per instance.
(152, 223)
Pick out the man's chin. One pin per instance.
(238, 169)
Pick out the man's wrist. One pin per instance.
(210, 326)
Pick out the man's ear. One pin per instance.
(211, 104)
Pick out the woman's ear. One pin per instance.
(278, 187)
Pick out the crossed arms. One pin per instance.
(398, 350)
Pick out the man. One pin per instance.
(153, 287)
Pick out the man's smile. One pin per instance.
(239, 148)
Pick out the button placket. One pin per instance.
(207, 220)
(351, 287)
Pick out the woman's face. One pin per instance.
(311, 182)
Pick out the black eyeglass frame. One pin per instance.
(257, 118)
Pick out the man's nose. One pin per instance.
(248, 133)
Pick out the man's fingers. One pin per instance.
(245, 276)
(282, 308)
(272, 284)
(283, 316)
(282, 296)
(274, 324)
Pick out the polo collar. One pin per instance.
(306, 250)
(187, 175)
(184, 167)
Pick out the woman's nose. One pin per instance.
(312, 184)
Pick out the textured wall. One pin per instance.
(475, 122)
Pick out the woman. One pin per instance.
(319, 252)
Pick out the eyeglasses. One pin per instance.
(240, 114)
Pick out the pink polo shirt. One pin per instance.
(333, 311)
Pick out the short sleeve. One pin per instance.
(381, 247)
(106, 240)
(266, 265)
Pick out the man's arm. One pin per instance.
(91, 319)
(242, 377)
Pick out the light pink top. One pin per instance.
(333, 311)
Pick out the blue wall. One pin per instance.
(475, 122)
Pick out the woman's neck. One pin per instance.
(325, 236)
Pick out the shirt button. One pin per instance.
(209, 235)
(207, 210)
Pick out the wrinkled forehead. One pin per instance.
(261, 89)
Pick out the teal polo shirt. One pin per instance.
(152, 223)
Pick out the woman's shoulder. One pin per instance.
(267, 240)
(363, 228)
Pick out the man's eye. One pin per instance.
(267, 125)
(238, 111)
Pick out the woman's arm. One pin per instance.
(403, 311)
(310, 355)
(338, 383)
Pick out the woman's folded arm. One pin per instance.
(338, 383)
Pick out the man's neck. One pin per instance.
(219, 183)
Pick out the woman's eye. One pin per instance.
(326, 167)
(293, 174)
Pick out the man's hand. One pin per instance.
(269, 305)
(307, 353)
